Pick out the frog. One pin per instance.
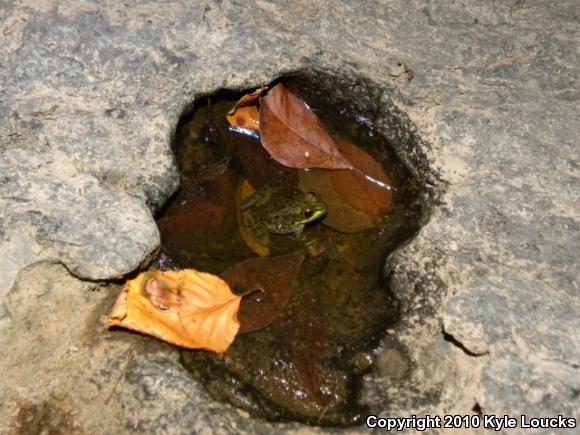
(269, 210)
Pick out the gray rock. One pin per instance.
(55, 212)
(89, 98)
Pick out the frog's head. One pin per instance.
(312, 209)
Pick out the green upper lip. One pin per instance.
(315, 215)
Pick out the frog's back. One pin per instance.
(280, 211)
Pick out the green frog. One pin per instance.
(268, 211)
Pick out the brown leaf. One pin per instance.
(276, 275)
(210, 205)
(301, 331)
(293, 134)
(340, 215)
(177, 230)
(306, 345)
(188, 308)
(258, 166)
(367, 187)
(245, 113)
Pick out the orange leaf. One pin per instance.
(277, 275)
(245, 191)
(340, 215)
(188, 308)
(245, 117)
(366, 187)
(293, 134)
(245, 113)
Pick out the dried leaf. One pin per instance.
(245, 191)
(250, 99)
(340, 215)
(245, 117)
(177, 229)
(306, 346)
(293, 134)
(258, 166)
(209, 204)
(245, 113)
(276, 275)
(367, 187)
(302, 333)
(188, 308)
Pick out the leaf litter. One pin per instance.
(199, 310)
(355, 189)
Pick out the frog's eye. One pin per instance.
(308, 212)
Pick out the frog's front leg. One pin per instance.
(313, 246)
(298, 232)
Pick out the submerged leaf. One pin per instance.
(245, 191)
(211, 206)
(188, 308)
(258, 166)
(367, 187)
(340, 215)
(293, 134)
(245, 113)
(276, 275)
(306, 347)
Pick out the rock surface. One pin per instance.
(89, 98)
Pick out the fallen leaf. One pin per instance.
(245, 191)
(367, 187)
(306, 346)
(245, 117)
(340, 215)
(188, 308)
(177, 229)
(293, 134)
(258, 166)
(277, 275)
(245, 113)
(302, 332)
(210, 205)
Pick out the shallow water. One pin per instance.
(306, 365)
